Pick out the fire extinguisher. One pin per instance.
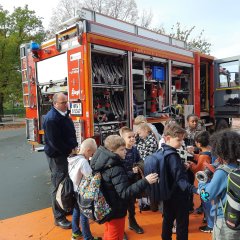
(161, 98)
(154, 93)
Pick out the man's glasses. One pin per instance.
(63, 103)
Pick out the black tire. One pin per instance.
(222, 124)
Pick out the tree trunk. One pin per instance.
(1, 106)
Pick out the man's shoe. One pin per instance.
(205, 229)
(125, 236)
(134, 226)
(65, 224)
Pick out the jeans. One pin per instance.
(131, 208)
(175, 209)
(207, 208)
(77, 217)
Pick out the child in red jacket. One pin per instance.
(202, 142)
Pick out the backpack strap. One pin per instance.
(228, 170)
(206, 154)
(225, 168)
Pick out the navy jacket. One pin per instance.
(132, 157)
(60, 134)
(177, 175)
(173, 179)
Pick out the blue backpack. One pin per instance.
(156, 163)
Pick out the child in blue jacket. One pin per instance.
(225, 145)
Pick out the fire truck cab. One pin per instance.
(113, 71)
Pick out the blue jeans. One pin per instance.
(77, 217)
(206, 209)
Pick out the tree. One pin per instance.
(20, 26)
(125, 10)
(145, 18)
(199, 42)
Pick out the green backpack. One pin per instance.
(231, 208)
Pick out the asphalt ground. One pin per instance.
(24, 175)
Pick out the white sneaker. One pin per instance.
(174, 229)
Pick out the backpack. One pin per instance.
(156, 163)
(65, 195)
(231, 209)
(90, 199)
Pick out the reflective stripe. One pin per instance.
(233, 203)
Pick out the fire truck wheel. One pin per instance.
(222, 124)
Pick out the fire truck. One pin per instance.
(113, 71)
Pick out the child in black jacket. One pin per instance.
(115, 183)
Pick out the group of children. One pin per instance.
(120, 161)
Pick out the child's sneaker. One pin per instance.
(205, 229)
(77, 236)
(174, 229)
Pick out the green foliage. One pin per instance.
(16, 28)
(199, 42)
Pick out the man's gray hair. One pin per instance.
(56, 95)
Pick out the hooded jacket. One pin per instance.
(115, 185)
(78, 166)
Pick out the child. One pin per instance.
(78, 167)
(147, 143)
(131, 159)
(141, 119)
(115, 184)
(202, 142)
(177, 206)
(225, 145)
(193, 127)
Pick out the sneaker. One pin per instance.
(125, 237)
(174, 229)
(205, 229)
(145, 207)
(199, 210)
(77, 236)
(133, 225)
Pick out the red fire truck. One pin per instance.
(113, 71)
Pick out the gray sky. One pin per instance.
(219, 18)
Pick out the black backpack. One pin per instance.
(156, 163)
(65, 195)
(231, 208)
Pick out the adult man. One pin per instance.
(60, 141)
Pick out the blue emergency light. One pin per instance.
(34, 46)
